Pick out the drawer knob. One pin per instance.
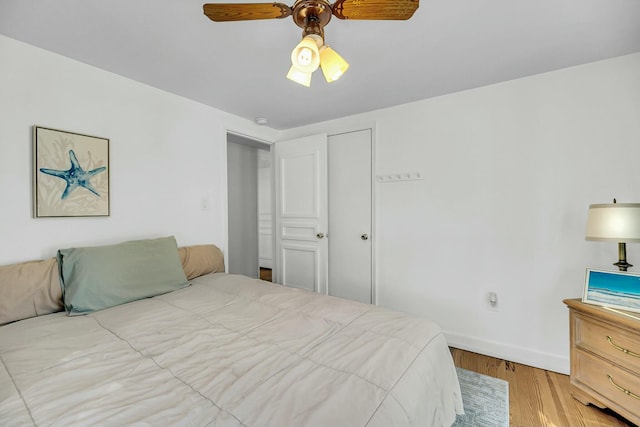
(622, 389)
(622, 349)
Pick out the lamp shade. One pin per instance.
(299, 76)
(333, 65)
(618, 222)
(305, 56)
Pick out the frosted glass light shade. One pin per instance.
(299, 76)
(305, 56)
(333, 65)
(617, 222)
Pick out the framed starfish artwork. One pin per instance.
(71, 174)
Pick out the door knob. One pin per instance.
(320, 235)
(365, 236)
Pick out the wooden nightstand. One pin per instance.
(605, 358)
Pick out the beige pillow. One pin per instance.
(29, 289)
(201, 259)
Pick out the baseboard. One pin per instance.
(526, 356)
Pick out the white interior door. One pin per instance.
(265, 207)
(350, 215)
(301, 213)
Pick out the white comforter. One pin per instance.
(228, 351)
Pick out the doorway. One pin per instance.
(249, 205)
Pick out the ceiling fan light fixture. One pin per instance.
(306, 56)
(299, 76)
(312, 16)
(333, 65)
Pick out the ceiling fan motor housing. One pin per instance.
(312, 16)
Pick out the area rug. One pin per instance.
(485, 400)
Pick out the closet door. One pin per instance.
(350, 215)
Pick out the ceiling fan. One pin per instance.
(312, 16)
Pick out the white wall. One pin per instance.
(167, 155)
(509, 171)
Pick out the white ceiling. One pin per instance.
(240, 67)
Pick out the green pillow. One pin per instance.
(94, 278)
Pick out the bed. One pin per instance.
(219, 350)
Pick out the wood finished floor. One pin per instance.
(538, 398)
(265, 274)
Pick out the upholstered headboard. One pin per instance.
(33, 288)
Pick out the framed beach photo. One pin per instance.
(612, 289)
(70, 174)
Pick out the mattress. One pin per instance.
(228, 351)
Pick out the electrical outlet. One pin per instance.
(492, 301)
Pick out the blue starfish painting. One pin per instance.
(75, 176)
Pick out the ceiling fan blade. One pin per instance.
(374, 9)
(221, 12)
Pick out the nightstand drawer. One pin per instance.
(611, 343)
(620, 388)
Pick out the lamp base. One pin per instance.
(622, 263)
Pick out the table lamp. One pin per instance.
(615, 222)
